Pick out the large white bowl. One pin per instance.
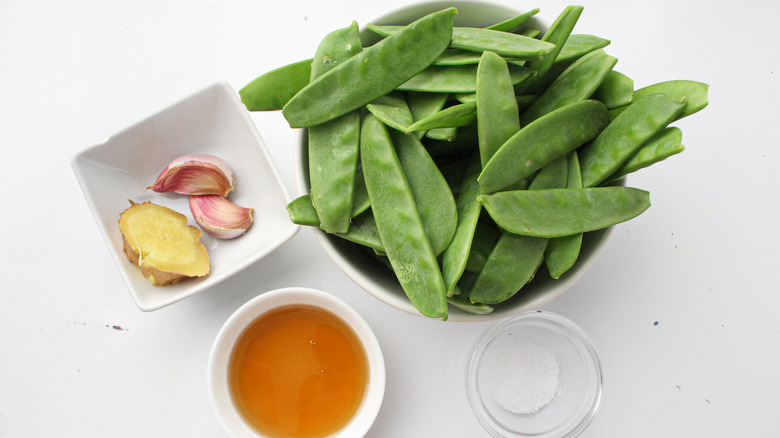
(376, 278)
(218, 386)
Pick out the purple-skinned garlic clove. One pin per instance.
(220, 217)
(196, 174)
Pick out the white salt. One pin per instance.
(524, 377)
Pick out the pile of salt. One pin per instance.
(524, 377)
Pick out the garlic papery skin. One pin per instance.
(196, 174)
(220, 217)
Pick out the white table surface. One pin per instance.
(682, 305)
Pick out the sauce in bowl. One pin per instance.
(298, 371)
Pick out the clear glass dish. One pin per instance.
(538, 343)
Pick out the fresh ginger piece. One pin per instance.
(159, 241)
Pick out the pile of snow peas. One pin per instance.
(465, 159)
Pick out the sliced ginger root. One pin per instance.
(159, 241)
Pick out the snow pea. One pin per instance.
(422, 105)
(400, 227)
(617, 90)
(496, 105)
(578, 45)
(432, 195)
(456, 78)
(511, 265)
(486, 236)
(272, 90)
(457, 57)
(563, 212)
(392, 110)
(374, 72)
(479, 40)
(514, 22)
(694, 93)
(619, 141)
(463, 114)
(557, 34)
(665, 144)
(562, 252)
(467, 306)
(554, 175)
(543, 140)
(495, 282)
(302, 211)
(364, 231)
(576, 83)
(464, 143)
(447, 134)
(455, 257)
(333, 146)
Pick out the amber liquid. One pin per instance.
(298, 371)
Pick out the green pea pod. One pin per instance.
(422, 105)
(563, 212)
(562, 252)
(463, 144)
(557, 34)
(434, 200)
(530, 33)
(478, 40)
(619, 141)
(694, 93)
(456, 78)
(455, 256)
(334, 145)
(372, 73)
(617, 90)
(502, 43)
(578, 45)
(272, 90)
(455, 116)
(302, 211)
(485, 238)
(364, 231)
(399, 224)
(511, 265)
(457, 57)
(448, 134)
(514, 22)
(392, 110)
(665, 144)
(576, 83)
(467, 306)
(554, 175)
(496, 105)
(545, 139)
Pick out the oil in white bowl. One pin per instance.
(298, 371)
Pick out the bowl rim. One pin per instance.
(237, 322)
(550, 319)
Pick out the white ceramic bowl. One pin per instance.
(374, 277)
(576, 397)
(211, 121)
(219, 391)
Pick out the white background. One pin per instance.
(701, 262)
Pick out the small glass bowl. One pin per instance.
(580, 379)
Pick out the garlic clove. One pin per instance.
(196, 174)
(219, 216)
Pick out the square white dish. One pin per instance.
(212, 121)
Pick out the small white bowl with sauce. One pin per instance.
(296, 361)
